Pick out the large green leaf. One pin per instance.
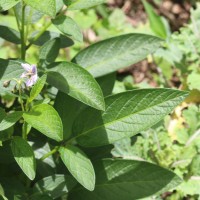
(55, 186)
(66, 107)
(45, 6)
(7, 4)
(45, 119)
(10, 119)
(126, 114)
(112, 54)
(10, 69)
(10, 34)
(49, 51)
(47, 35)
(82, 4)
(68, 27)
(77, 82)
(126, 179)
(79, 166)
(24, 156)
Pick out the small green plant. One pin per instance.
(58, 119)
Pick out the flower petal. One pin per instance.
(23, 75)
(34, 78)
(29, 82)
(26, 66)
(34, 69)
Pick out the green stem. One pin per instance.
(24, 131)
(43, 30)
(20, 98)
(38, 35)
(49, 153)
(22, 32)
(17, 20)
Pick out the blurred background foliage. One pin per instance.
(175, 142)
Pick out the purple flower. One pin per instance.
(30, 74)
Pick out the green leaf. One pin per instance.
(45, 119)
(126, 179)
(47, 35)
(155, 20)
(79, 166)
(2, 194)
(2, 114)
(45, 6)
(63, 75)
(31, 15)
(40, 197)
(112, 54)
(68, 27)
(126, 114)
(6, 134)
(10, 34)
(10, 119)
(10, 69)
(107, 83)
(66, 107)
(59, 5)
(7, 4)
(24, 156)
(49, 51)
(82, 4)
(55, 186)
(193, 81)
(37, 88)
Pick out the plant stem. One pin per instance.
(22, 32)
(17, 20)
(20, 98)
(49, 153)
(38, 35)
(24, 131)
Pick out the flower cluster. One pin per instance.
(30, 73)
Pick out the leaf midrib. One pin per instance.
(84, 133)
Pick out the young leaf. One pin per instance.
(24, 156)
(45, 119)
(112, 54)
(45, 6)
(47, 35)
(155, 20)
(68, 27)
(66, 107)
(10, 120)
(79, 166)
(82, 4)
(55, 186)
(49, 51)
(76, 82)
(10, 34)
(136, 179)
(126, 114)
(37, 88)
(7, 4)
